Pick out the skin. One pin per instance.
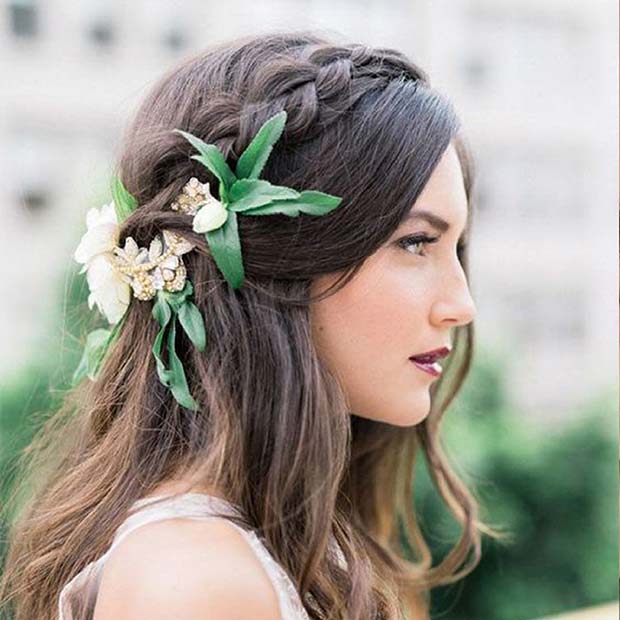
(183, 568)
(403, 302)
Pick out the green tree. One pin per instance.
(554, 491)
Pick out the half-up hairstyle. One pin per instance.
(272, 428)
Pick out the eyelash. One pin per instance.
(423, 240)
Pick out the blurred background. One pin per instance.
(536, 87)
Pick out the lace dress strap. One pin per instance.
(80, 593)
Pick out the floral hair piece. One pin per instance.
(242, 192)
(114, 273)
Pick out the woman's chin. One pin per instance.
(404, 414)
(411, 418)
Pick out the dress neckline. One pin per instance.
(191, 494)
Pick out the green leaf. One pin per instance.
(253, 159)
(178, 380)
(98, 358)
(124, 202)
(310, 202)
(97, 343)
(251, 193)
(192, 322)
(93, 350)
(177, 298)
(174, 377)
(225, 246)
(211, 157)
(162, 313)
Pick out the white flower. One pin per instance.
(210, 216)
(101, 234)
(108, 288)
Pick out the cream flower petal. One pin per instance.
(98, 239)
(108, 213)
(99, 273)
(181, 245)
(131, 248)
(92, 217)
(123, 293)
(104, 215)
(155, 249)
(157, 278)
(171, 262)
(115, 304)
(113, 309)
(143, 256)
(210, 216)
(101, 235)
(108, 289)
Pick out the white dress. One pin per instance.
(79, 594)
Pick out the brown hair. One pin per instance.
(273, 428)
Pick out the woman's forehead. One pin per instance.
(443, 201)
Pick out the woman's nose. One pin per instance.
(454, 304)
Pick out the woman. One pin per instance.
(281, 493)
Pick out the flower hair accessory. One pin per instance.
(115, 274)
(242, 192)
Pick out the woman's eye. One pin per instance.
(417, 242)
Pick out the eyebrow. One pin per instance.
(434, 220)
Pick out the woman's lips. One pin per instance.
(431, 368)
(435, 354)
(428, 361)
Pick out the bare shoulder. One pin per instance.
(185, 568)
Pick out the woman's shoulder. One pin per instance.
(187, 568)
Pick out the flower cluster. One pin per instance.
(156, 269)
(113, 272)
(242, 192)
(196, 199)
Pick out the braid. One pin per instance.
(316, 81)
(316, 84)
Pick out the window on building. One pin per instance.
(23, 18)
(101, 32)
(475, 72)
(31, 169)
(34, 200)
(550, 317)
(533, 183)
(174, 39)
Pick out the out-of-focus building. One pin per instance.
(537, 87)
(534, 82)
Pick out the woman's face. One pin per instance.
(406, 300)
